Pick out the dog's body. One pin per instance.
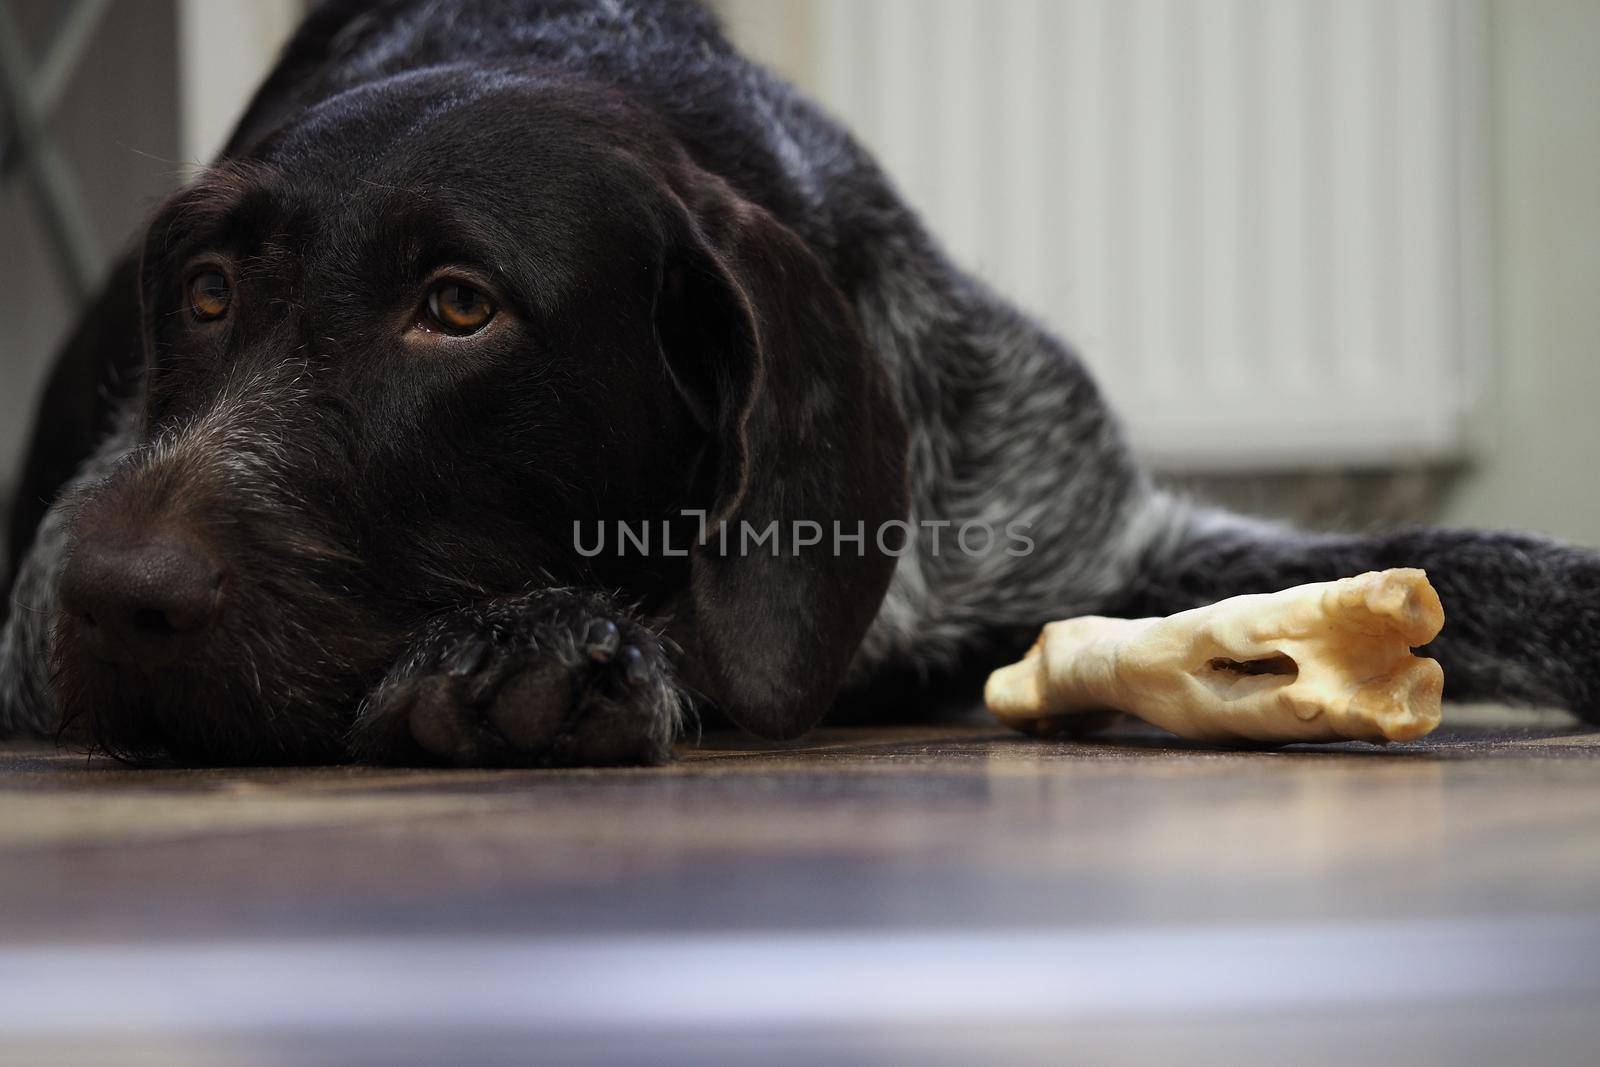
(710, 300)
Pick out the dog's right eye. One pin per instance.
(210, 295)
(457, 308)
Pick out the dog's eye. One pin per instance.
(458, 309)
(209, 295)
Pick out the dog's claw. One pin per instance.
(634, 671)
(602, 640)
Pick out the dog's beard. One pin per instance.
(278, 681)
(298, 640)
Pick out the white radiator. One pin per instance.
(1261, 221)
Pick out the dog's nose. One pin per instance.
(141, 603)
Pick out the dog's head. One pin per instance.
(409, 345)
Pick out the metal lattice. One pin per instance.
(29, 94)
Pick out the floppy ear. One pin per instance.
(805, 429)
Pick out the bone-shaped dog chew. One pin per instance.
(1324, 662)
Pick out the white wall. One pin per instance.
(1539, 458)
(225, 48)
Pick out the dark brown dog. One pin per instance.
(474, 284)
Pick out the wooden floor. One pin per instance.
(915, 894)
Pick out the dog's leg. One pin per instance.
(554, 678)
(1522, 613)
(26, 707)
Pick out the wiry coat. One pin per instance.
(857, 375)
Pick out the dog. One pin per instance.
(434, 424)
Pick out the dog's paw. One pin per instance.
(556, 679)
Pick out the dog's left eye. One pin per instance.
(457, 308)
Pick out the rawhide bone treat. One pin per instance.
(1330, 661)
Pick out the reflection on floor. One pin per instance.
(908, 894)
